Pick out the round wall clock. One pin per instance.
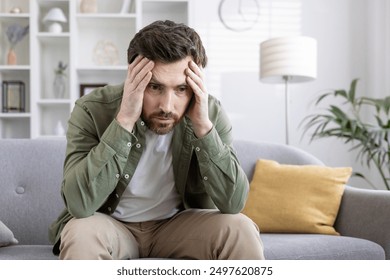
(239, 15)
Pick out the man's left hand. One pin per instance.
(199, 109)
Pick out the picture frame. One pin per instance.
(87, 88)
(13, 97)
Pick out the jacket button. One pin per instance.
(138, 145)
(127, 176)
(109, 209)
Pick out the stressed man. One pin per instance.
(150, 170)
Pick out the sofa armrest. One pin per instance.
(365, 214)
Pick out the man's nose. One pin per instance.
(166, 101)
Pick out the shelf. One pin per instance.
(102, 68)
(15, 115)
(115, 16)
(46, 102)
(12, 68)
(10, 16)
(53, 35)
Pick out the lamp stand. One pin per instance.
(286, 98)
(55, 27)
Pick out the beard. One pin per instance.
(160, 122)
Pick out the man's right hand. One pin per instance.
(138, 77)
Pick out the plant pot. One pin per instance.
(11, 57)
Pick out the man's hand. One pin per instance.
(138, 77)
(199, 109)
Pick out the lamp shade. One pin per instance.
(294, 57)
(55, 15)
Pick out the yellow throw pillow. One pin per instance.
(296, 198)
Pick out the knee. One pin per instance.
(84, 238)
(84, 228)
(238, 237)
(237, 223)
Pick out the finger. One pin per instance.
(138, 66)
(137, 60)
(133, 64)
(144, 82)
(196, 69)
(140, 71)
(196, 79)
(194, 86)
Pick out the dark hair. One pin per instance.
(167, 41)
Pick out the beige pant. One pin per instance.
(191, 234)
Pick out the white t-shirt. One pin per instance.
(151, 193)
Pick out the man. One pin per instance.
(149, 168)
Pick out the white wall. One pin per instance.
(344, 53)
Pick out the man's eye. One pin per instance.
(154, 87)
(182, 89)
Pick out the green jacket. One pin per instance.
(101, 158)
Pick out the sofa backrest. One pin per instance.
(248, 152)
(31, 175)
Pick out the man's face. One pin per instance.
(167, 96)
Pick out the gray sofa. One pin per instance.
(30, 176)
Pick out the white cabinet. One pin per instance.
(15, 124)
(91, 47)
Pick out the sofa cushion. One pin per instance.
(296, 199)
(279, 246)
(276, 247)
(6, 236)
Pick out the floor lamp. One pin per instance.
(288, 60)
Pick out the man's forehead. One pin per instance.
(168, 73)
(165, 81)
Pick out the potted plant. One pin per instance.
(15, 33)
(370, 139)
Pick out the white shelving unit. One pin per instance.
(92, 45)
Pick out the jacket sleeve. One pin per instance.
(220, 171)
(93, 164)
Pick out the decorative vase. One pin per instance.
(88, 6)
(59, 129)
(11, 57)
(59, 86)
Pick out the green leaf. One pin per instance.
(352, 91)
(342, 93)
